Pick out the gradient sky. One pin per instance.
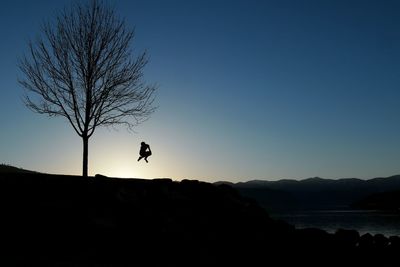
(247, 90)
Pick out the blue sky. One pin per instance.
(247, 90)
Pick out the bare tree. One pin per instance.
(82, 68)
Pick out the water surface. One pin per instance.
(373, 222)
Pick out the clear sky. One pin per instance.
(247, 90)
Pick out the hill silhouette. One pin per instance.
(314, 193)
(4, 168)
(59, 220)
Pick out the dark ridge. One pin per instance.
(389, 201)
(5, 168)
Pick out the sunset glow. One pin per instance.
(249, 90)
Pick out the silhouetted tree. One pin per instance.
(82, 68)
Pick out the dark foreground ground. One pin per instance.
(49, 220)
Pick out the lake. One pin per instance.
(373, 222)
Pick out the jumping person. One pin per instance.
(144, 152)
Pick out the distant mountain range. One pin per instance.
(314, 193)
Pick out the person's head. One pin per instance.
(142, 143)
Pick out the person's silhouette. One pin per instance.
(144, 152)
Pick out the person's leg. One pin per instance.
(148, 154)
(140, 158)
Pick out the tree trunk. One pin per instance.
(85, 156)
